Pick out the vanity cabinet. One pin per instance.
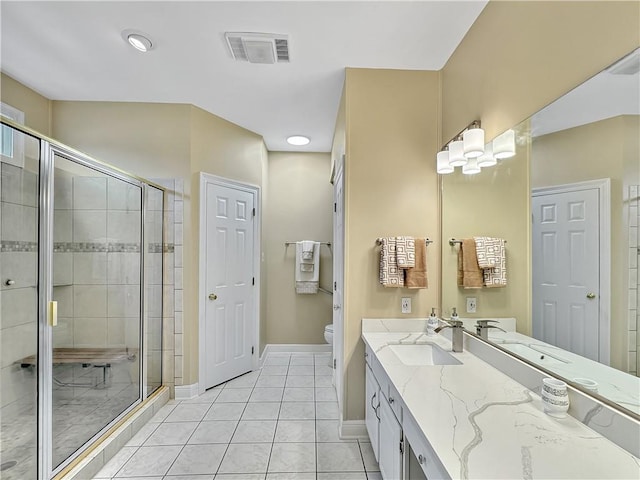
(383, 425)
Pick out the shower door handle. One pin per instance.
(53, 314)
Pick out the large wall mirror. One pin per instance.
(568, 206)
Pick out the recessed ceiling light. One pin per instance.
(298, 140)
(137, 40)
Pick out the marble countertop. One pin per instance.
(483, 424)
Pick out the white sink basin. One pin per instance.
(423, 354)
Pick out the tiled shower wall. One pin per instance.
(634, 278)
(173, 275)
(96, 262)
(18, 301)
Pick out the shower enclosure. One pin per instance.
(81, 275)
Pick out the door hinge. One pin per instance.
(252, 350)
(335, 207)
(402, 446)
(334, 363)
(253, 280)
(253, 212)
(335, 286)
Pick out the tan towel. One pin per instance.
(416, 277)
(390, 274)
(469, 272)
(405, 252)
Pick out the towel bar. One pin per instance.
(426, 240)
(453, 241)
(321, 243)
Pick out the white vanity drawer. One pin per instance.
(429, 462)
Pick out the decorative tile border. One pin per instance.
(85, 247)
(17, 246)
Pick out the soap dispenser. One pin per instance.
(454, 315)
(432, 323)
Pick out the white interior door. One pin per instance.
(338, 278)
(566, 270)
(229, 282)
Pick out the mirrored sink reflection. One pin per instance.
(423, 354)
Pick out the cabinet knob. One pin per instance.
(366, 354)
(391, 400)
(421, 459)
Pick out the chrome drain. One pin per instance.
(7, 465)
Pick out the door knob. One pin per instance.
(213, 296)
(591, 295)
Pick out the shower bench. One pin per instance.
(87, 357)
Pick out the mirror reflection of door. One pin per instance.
(566, 269)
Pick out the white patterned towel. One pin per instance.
(390, 274)
(405, 252)
(492, 258)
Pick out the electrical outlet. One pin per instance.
(406, 305)
(471, 304)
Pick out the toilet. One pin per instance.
(328, 334)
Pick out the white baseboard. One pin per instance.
(294, 348)
(353, 429)
(186, 392)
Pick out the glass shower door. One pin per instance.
(19, 258)
(96, 274)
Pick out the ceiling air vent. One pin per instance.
(258, 47)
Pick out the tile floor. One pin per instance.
(277, 423)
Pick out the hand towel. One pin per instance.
(405, 252)
(307, 279)
(496, 276)
(487, 250)
(469, 272)
(307, 250)
(416, 277)
(390, 274)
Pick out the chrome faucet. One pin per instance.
(482, 328)
(456, 334)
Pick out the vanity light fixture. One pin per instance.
(456, 154)
(138, 40)
(487, 159)
(473, 140)
(298, 140)
(443, 166)
(504, 145)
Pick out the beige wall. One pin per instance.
(36, 108)
(589, 152)
(493, 203)
(391, 188)
(300, 208)
(519, 56)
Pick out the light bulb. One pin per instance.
(443, 166)
(456, 154)
(504, 145)
(473, 140)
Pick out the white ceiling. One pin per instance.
(604, 95)
(74, 51)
